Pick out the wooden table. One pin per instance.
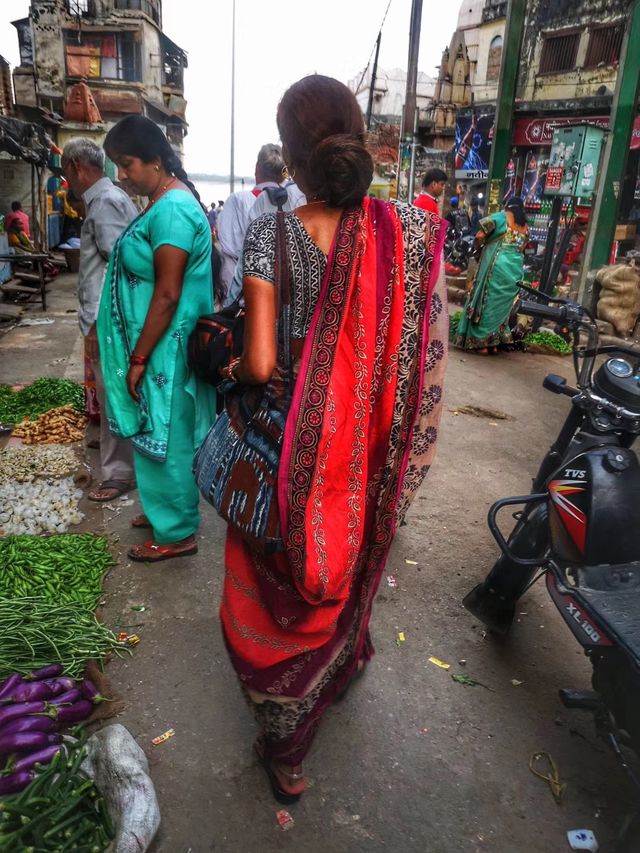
(38, 262)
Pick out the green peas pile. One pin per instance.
(61, 810)
(35, 633)
(41, 396)
(60, 569)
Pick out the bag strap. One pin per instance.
(283, 297)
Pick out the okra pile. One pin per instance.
(35, 633)
(60, 569)
(39, 397)
(59, 810)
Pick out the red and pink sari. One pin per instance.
(359, 439)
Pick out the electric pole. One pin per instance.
(501, 147)
(373, 81)
(406, 164)
(232, 177)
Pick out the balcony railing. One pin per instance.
(151, 8)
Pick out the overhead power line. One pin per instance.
(373, 48)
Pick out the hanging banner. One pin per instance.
(510, 186)
(535, 171)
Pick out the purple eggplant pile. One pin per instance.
(32, 710)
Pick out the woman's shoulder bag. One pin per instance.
(236, 467)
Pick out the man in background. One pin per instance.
(433, 184)
(233, 220)
(18, 215)
(108, 212)
(212, 216)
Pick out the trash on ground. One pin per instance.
(467, 681)
(139, 608)
(411, 562)
(482, 412)
(440, 663)
(133, 640)
(401, 637)
(163, 737)
(462, 662)
(516, 683)
(37, 321)
(582, 839)
(285, 821)
(392, 582)
(552, 778)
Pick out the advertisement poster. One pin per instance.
(535, 172)
(472, 147)
(510, 187)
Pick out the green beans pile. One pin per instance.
(41, 396)
(549, 340)
(35, 633)
(61, 810)
(61, 569)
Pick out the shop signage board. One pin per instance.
(539, 131)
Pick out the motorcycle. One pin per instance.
(579, 529)
(458, 248)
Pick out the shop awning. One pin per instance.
(26, 140)
(172, 48)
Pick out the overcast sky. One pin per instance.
(277, 42)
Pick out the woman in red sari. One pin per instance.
(369, 332)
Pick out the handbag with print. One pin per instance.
(236, 467)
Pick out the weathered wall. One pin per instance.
(544, 16)
(486, 90)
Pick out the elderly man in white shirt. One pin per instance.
(233, 219)
(108, 212)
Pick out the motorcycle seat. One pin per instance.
(612, 595)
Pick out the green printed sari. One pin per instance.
(486, 312)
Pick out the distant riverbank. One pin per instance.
(213, 188)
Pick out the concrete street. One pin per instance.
(410, 761)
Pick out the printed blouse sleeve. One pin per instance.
(258, 255)
(176, 223)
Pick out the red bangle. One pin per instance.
(139, 359)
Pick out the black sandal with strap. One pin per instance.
(284, 797)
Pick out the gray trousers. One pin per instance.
(116, 454)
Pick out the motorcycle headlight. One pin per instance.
(619, 367)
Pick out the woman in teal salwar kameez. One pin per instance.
(484, 322)
(157, 284)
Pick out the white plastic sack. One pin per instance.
(120, 770)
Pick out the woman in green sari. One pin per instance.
(483, 325)
(158, 282)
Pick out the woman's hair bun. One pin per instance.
(340, 169)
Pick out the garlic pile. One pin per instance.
(39, 507)
(24, 464)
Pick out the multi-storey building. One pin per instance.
(84, 64)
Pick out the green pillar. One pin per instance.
(613, 166)
(501, 147)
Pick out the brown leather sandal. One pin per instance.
(152, 552)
